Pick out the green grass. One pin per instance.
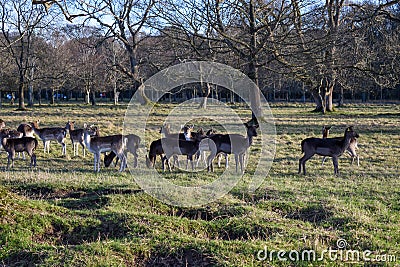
(61, 213)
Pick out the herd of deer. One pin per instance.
(191, 144)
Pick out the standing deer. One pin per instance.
(329, 147)
(132, 145)
(351, 149)
(48, 134)
(76, 136)
(236, 144)
(12, 145)
(101, 144)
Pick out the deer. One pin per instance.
(12, 145)
(101, 144)
(236, 144)
(26, 130)
(76, 136)
(173, 147)
(351, 149)
(165, 130)
(48, 134)
(328, 147)
(2, 124)
(203, 147)
(155, 149)
(132, 145)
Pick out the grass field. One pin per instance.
(61, 213)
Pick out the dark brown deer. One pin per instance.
(132, 146)
(236, 144)
(49, 134)
(173, 147)
(12, 145)
(351, 149)
(101, 144)
(155, 150)
(329, 147)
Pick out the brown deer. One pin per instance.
(155, 149)
(12, 145)
(49, 134)
(351, 149)
(101, 144)
(173, 147)
(132, 145)
(236, 144)
(76, 136)
(329, 147)
(26, 130)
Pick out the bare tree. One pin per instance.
(19, 21)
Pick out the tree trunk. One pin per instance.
(341, 97)
(318, 101)
(116, 97)
(21, 103)
(93, 98)
(206, 93)
(40, 97)
(87, 96)
(30, 95)
(52, 97)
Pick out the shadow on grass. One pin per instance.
(314, 213)
(180, 257)
(24, 258)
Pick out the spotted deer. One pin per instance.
(49, 134)
(101, 144)
(132, 145)
(21, 144)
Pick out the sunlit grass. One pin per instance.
(62, 213)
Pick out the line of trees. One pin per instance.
(317, 49)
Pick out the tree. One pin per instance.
(19, 21)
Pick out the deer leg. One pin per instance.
(335, 165)
(358, 161)
(236, 161)
(33, 159)
(302, 162)
(123, 161)
(323, 161)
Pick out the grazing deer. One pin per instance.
(132, 145)
(329, 147)
(48, 134)
(101, 144)
(12, 145)
(351, 149)
(236, 144)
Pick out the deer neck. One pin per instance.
(346, 142)
(250, 139)
(86, 139)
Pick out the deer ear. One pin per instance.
(84, 125)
